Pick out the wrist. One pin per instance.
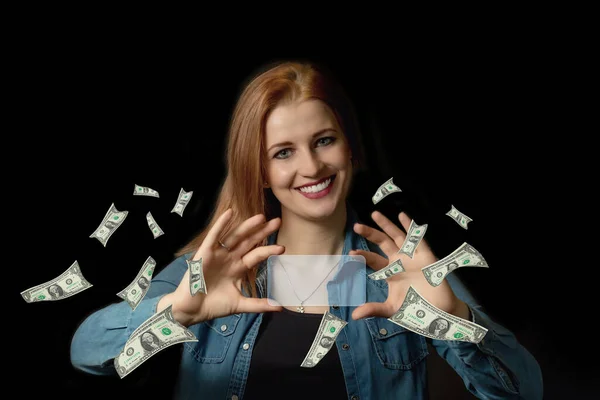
(461, 310)
(170, 299)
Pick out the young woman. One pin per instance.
(293, 148)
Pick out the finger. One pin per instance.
(259, 254)
(373, 260)
(390, 228)
(255, 305)
(233, 238)
(384, 242)
(258, 234)
(374, 309)
(405, 220)
(215, 232)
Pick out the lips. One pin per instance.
(317, 182)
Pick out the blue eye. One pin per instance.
(280, 155)
(329, 140)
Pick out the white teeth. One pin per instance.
(316, 188)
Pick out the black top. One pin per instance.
(283, 340)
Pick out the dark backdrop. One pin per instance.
(454, 128)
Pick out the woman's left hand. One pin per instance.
(390, 242)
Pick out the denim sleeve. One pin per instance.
(498, 367)
(103, 334)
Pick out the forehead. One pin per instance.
(297, 120)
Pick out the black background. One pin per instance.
(454, 126)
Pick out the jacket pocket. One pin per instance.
(396, 347)
(214, 338)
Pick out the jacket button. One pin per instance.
(223, 328)
(246, 346)
(345, 346)
(383, 331)
(336, 307)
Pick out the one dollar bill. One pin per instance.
(328, 331)
(136, 290)
(144, 191)
(156, 231)
(155, 334)
(413, 238)
(197, 283)
(66, 285)
(389, 270)
(459, 217)
(464, 256)
(182, 201)
(417, 315)
(388, 187)
(111, 221)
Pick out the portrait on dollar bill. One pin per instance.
(409, 246)
(327, 341)
(149, 341)
(143, 283)
(55, 291)
(439, 327)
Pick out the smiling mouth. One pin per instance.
(318, 187)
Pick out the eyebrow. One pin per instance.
(314, 135)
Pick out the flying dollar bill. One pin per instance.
(111, 221)
(459, 217)
(328, 331)
(390, 270)
(155, 334)
(66, 285)
(182, 201)
(417, 315)
(144, 191)
(464, 256)
(156, 231)
(385, 189)
(135, 292)
(197, 283)
(413, 238)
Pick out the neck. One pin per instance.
(303, 237)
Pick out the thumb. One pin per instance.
(371, 310)
(255, 305)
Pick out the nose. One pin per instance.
(310, 164)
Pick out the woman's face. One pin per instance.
(305, 145)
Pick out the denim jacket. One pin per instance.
(380, 359)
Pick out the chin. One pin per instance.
(318, 212)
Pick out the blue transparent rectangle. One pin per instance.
(316, 280)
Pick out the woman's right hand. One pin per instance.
(224, 271)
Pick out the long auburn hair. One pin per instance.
(243, 189)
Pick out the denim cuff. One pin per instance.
(145, 310)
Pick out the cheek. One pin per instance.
(280, 176)
(341, 158)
